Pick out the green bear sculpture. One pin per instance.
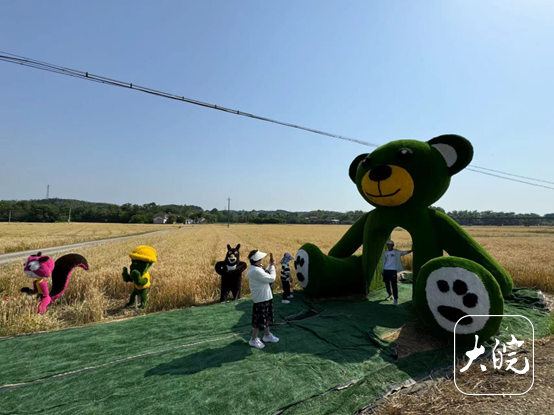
(401, 180)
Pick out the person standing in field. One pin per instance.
(286, 278)
(392, 264)
(260, 279)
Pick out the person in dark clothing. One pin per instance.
(286, 278)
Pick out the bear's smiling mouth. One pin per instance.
(391, 194)
(454, 314)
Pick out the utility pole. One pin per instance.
(47, 191)
(228, 211)
(10, 217)
(69, 218)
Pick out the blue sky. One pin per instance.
(373, 70)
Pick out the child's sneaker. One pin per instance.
(285, 302)
(395, 302)
(271, 338)
(389, 298)
(291, 296)
(257, 343)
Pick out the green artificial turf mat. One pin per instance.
(197, 360)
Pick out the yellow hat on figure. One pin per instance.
(144, 253)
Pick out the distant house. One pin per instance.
(313, 219)
(161, 218)
(200, 220)
(333, 221)
(188, 221)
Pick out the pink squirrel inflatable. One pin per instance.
(40, 268)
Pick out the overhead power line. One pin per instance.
(32, 63)
(509, 178)
(513, 175)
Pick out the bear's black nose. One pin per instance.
(380, 172)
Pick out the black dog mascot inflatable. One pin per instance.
(231, 273)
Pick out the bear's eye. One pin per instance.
(366, 162)
(404, 154)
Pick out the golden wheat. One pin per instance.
(16, 236)
(184, 274)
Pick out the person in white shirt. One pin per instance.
(262, 296)
(392, 264)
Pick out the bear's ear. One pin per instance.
(238, 247)
(228, 247)
(456, 151)
(354, 166)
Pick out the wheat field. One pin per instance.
(184, 275)
(17, 236)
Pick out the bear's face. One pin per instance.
(410, 172)
(233, 255)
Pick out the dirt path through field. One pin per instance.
(14, 256)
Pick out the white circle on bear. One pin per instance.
(302, 258)
(437, 298)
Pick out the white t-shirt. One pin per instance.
(259, 280)
(390, 260)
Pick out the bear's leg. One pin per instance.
(236, 288)
(324, 276)
(224, 288)
(449, 288)
(239, 288)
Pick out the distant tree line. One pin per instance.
(490, 218)
(283, 216)
(57, 210)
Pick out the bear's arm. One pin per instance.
(220, 267)
(457, 242)
(351, 240)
